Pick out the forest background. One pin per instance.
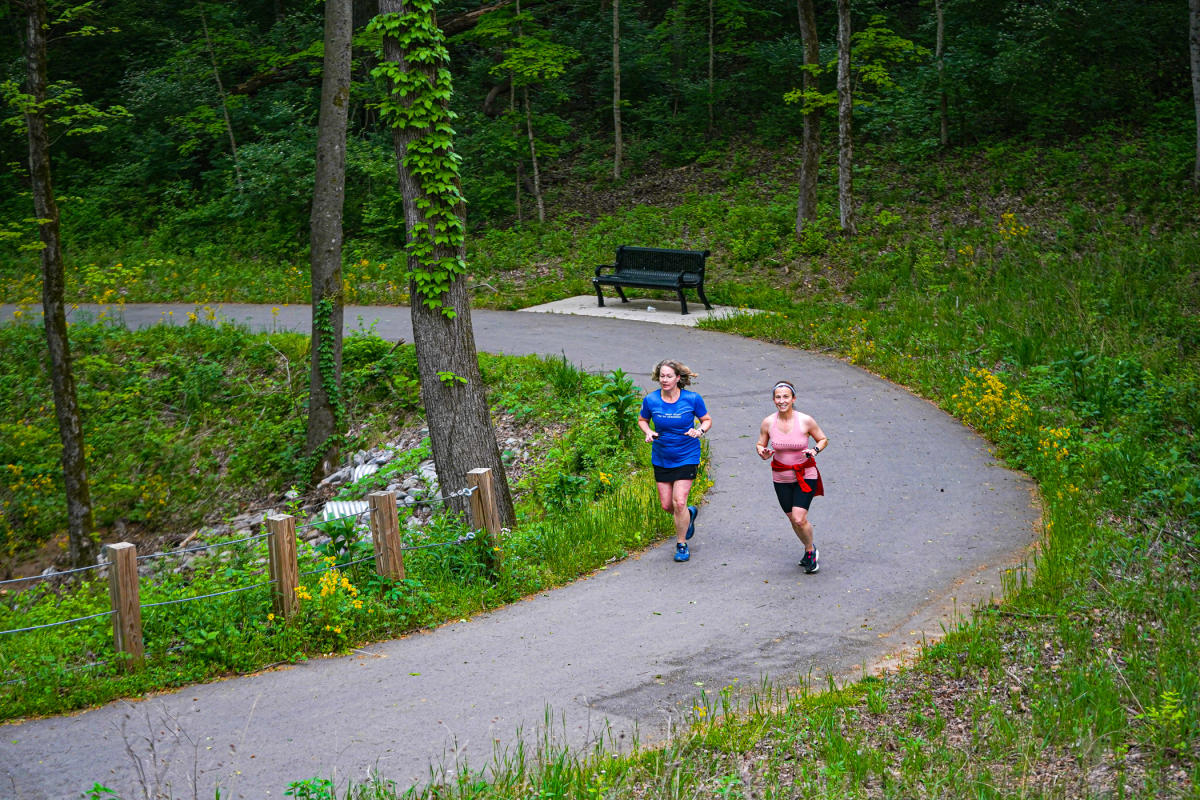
(207, 157)
(1026, 257)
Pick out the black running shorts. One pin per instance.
(671, 474)
(792, 496)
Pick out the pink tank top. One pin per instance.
(789, 450)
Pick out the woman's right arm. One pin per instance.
(764, 436)
(644, 424)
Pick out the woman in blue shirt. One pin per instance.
(680, 419)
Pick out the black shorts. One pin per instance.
(792, 496)
(671, 474)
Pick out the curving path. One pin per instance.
(919, 519)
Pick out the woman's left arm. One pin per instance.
(702, 428)
(817, 434)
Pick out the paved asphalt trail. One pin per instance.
(918, 519)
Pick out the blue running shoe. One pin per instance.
(692, 522)
(681, 552)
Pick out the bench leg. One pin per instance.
(599, 295)
(700, 291)
(621, 292)
(682, 300)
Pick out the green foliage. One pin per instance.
(156, 183)
(182, 422)
(578, 466)
(565, 378)
(874, 53)
(312, 789)
(620, 397)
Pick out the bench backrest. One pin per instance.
(661, 259)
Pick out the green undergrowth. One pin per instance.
(155, 397)
(184, 423)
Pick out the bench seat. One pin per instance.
(654, 268)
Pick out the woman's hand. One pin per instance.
(651, 436)
(765, 452)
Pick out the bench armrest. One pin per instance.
(605, 266)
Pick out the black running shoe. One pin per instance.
(810, 563)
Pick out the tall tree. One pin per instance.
(810, 159)
(325, 241)
(845, 122)
(616, 66)
(1194, 48)
(532, 60)
(81, 548)
(712, 63)
(416, 67)
(212, 58)
(940, 56)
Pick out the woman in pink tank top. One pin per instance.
(784, 439)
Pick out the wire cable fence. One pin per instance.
(56, 574)
(123, 576)
(60, 622)
(177, 600)
(200, 547)
(467, 492)
(458, 541)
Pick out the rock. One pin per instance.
(336, 479)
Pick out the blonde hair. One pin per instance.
(685, 374)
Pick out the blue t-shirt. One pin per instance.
(673, 447)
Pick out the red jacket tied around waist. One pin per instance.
(799, 470)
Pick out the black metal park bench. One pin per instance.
(654, 268)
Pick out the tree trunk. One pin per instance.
(711, 68)
(1194, 47)
(537, 176)
(810, 162)
(237, 172)
(81, 549)
(460, 423)
(616, 43)
(325, 242)
(943, 103)
(845, 120)
(516, 130)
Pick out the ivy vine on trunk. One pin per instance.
(416, 72)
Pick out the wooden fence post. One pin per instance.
(385, 530)
(484, 512)
(124, 594)
(285, 570)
